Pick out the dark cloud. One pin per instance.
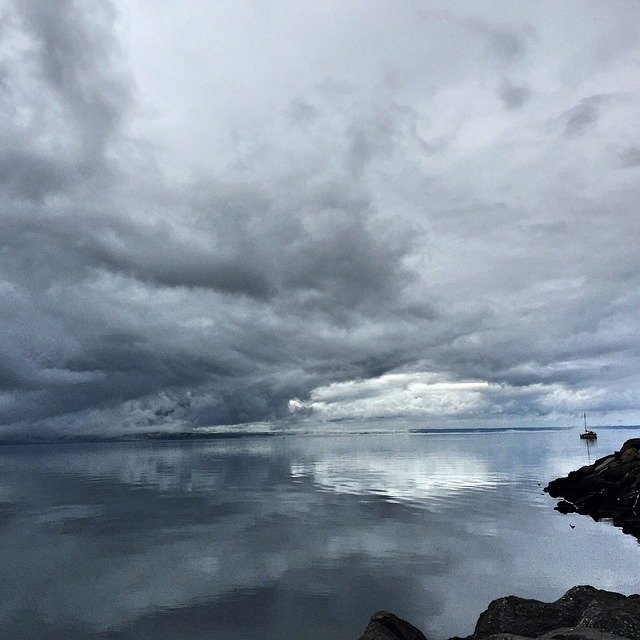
(583, 116)
(512, 95)
(300, 111)
(28, 176)
(506, 44)
(630, 157)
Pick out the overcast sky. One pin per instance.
(216, 213)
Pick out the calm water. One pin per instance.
(292, 538)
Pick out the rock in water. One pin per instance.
(609, 488)
(386, 626)
(565, 507)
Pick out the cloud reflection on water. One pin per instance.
(295, 538)
(416, 479)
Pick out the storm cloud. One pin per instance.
(221, 214)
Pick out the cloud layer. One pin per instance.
(210, 214)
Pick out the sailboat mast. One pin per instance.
(585, 421)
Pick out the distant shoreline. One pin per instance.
(236, 435)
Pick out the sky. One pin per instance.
(302, 213)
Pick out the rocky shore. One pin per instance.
(583, 613)
(609, 488)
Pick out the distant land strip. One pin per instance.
(161, 436)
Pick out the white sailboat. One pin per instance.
(587, 434)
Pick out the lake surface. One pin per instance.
(293, 538)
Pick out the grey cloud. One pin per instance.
(32, 177)
(335, 87)
(334, 267)
(74, 50)
(241, 243)
(300, 111)
(384, 226)
(630, 157)
(512, 95)
(581, 117)
(506, 44)
(362, 150)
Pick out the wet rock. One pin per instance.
(605, 463)
(622, 618)
(582, 613)
(568, 633)
(626, 455)
(609, 488)
(565, 507)
(386, 626)
(580, 607)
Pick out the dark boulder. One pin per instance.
(386, 626)
(621, 618)
(583, 607)
(582, 613)
(565, 507)
(569, 633)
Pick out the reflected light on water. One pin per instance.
(410, 479)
